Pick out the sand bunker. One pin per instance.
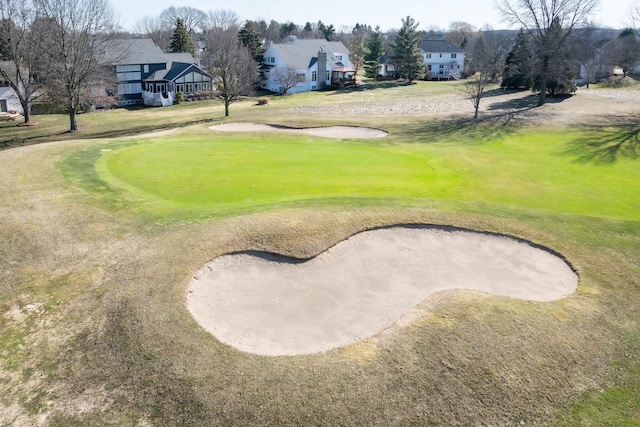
(271, 305)
(337, 132)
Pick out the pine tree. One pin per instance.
(553, 72)
(518, 67)
(252, 40)
(406, 51)
(373, 53)
(181, 40)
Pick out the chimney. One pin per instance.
(322, 68)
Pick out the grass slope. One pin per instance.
(93, 273)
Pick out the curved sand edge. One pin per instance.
(337, 132)
(271, 305)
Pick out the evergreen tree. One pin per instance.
(181, 40)
(553, 72)
(627, 50)
(406, 51)
(518, 66)
(373, 53)
(327, 32)
(252, 40)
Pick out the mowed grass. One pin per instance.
(227, 172)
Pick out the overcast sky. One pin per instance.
(385, 13)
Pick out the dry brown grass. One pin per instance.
(94, 328)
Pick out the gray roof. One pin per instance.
(175, 70)
(439, 46)
(9, 67)
(133, 52)
(303, 53)
(185, 57)
(602, 43)
(7, 92)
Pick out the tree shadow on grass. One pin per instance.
(606, 140)
(145, 128)
(506, 119)
(461, 129)
(370, 86)
(525, 103)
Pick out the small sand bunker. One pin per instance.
(337, 132)
(272, 305)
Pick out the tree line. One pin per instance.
(56, 46)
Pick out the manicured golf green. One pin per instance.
(225, 172)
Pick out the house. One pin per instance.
(146, 75)
(318, 63)
(9, 100)
(443, 60)
(597, 67)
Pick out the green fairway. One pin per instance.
(218, 173)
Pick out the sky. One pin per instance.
(386, 13)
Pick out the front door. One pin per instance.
(3, 106)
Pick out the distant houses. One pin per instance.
(443, 60)
(317, 63)
(9, 100)
(146, 75)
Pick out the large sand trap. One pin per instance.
(271, 305)
(337, 132)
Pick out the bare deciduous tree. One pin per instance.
(550, 23)
(221, 19)
(18, 65)
(476, 85)
(193, 18)
(634, 15)
(285, 77)
(77, 34)
(232, 66)
(156, 30)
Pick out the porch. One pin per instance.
(343, 76)
(158, 93)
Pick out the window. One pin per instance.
(314, 76)
(338, 57)
(300, 77)
(440, 55)
(127, 68)
(123, 77)
(146, 68)
(328, 75)
(453, 55)
(129, 88)
(427, 55)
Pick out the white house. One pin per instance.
(145, 74)
(9, 100)
(442, 59)
(317, 62)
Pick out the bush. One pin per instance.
(263, 101)
(179, 98)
